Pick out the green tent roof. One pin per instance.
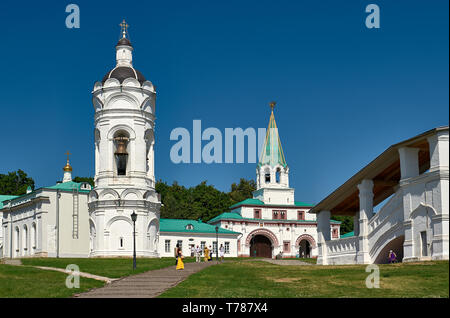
(178, 225)
(272, 153)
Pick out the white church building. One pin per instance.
(272, 223)
(70, 219)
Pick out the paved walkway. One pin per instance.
(285, 262)
(146, 285)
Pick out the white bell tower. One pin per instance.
(272, 172)
(124, 104)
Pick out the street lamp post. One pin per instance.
(133, 218)
(217, 243)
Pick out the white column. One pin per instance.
(323, 235)
(439, 149)
(409, 162)
(439, 163)
(365, 213)
(356, 224)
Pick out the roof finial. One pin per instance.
(272, 105)
(67, 167)
(124, 28)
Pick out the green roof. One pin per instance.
(68, 186)
(237, 216)
(6, 197)
(272, 153)
(259, 202)
(64, 186)
(349, 234)
(178, 225)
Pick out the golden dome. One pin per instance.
(68, 167)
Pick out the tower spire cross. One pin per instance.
(67, 154)
(124, 28)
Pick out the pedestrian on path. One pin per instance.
(209, 253)
(198, 251)
(206, 251)
(180, 263)
(221, 252)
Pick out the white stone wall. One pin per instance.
(195, 239)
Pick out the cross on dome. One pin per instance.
(124, 28)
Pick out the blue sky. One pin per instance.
(344, 92)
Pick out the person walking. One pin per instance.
(175, 253)
(209, 253)
(392, 257)
(221, 252)
(206, 251)
(180, 263)
(197, 254)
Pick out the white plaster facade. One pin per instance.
(48, 222)
(414, 221)
(124, 106)
(273, 215)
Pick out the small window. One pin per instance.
(189, 227)
(275, 215)
(267, 177)
(227, 247)
(257, 214)
(278, 175)
(301, 215)
(167, 246)
(121, 242)
(286, 247)
(283, 215)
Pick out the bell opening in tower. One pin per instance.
(121, 154)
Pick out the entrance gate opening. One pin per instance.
(260, 246)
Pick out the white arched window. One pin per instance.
(278, 175)
(16, 251)
(33, 237)
(25, 240)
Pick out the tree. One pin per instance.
(243, 190)
(15, 183)
(347, 223)
(89, 180)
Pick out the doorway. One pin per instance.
(304, 249)
(260, 246)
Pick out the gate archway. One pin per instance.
(260, 246)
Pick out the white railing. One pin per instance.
(388, 217)
(342, 246)
(386, 211)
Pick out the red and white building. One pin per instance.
(272, 222)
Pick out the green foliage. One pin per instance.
(243, 190)
(347, 223)
(89, 180)
(202, 201)
(15, 183)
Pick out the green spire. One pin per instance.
(272, 153)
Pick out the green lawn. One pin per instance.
(262, 279)
(108, 267)
(23, 281)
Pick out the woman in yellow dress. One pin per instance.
(180, 264)
(206, 253)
